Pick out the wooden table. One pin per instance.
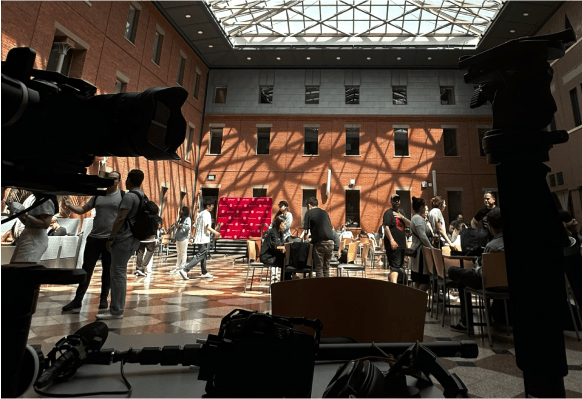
(461, 258)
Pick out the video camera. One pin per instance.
(53, 126)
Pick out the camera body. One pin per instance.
(259, 355)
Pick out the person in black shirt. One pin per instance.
(270, 254)
(317, 222)
(56, 229)
(480, 219)
(394, 223)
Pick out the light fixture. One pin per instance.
(337, 58)
(424, 184)
(398, 58)
(525, 14)
(308, 58)
(512, 31)
(210, 45)
(369, 58)
(249, 58)
(188, 16)
(352, 182)
(200, 32)
(430, 58)
(278, 58)
(211, 177)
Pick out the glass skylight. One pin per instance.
(363, 23)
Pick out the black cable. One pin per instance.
(42, 200)
(74, 395)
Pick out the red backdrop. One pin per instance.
(242, 218)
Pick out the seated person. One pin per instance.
(55, 229)
(8, 237)
(473, 278)
(270, 254)
(336, 241)
(457, 227)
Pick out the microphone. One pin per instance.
(73, 349)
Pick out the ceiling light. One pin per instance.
(210, 45)
(188, 16)
(249, 58)
(525, 14)
(398, 58)
(308, 58)
(512, 31)
(200, 32)
(337, 58)
(430, 58)
(369, 58)
(278, 58)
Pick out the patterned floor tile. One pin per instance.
(185, 299)
(160, 309)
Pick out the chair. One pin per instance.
(429, 263)
(376, 252)
(358, 267)
(71, 224)
(7, 226)
(289, 268)
(443, 281)
(253, 264)
(354, 307)
(343, 242)
(495, 286)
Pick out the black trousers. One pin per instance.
(465, 278)
(95, 247)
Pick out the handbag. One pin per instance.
(412, 252)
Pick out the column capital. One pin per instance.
(63, 47)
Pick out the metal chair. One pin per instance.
(443, 281)
(356, 267)
(290, 268)
(254, 264)
(495, 286)
(376, 252)
(429, 263)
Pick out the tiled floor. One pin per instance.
(164, 303)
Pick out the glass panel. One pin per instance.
(196, 85)
(450, 141)
(220, 95)
(158, 41)
(352, 94)
(447, 96)
(266, 95)
(120, 87)
(401, 142)
(259, 192)
(311, 138)
(131, 24)
(399, 95)
(352, 141)
(181, 68)
(481, 132)
(454, 204)
(307, 193)
(263, 140)
(352, 208)
(311, 94)
(215, 147)
(189, 143)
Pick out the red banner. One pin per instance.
(242, 218)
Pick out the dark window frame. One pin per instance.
(480, 134)
(352, 139)
(189, 143)
(131, 27)
(575, 107)
(453, 150)
(215, 134)
(263, 132)
(218, 89)
(181, 71)
(310, 95)
(310, 131)
(157, 51)
(396, 101)
(452, 207)
(196, 90)
(400, 132)
(354, 91)
(257, 191)
(120, 86)
(266, 94)
(450, 98)
(353, 215)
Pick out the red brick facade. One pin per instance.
(100, 26)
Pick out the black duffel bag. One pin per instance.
(473, 241)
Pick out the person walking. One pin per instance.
(394, 223)
(105, 213)
(182, 235)
(437, 221)
(318, 224)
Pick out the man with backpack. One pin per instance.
(136, 220)
(106, 207)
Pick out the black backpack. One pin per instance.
(147, 219)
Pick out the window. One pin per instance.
(131, 25)
(157, 53)
(220, 95)
(311, 138)
(57, 50)
(405, 202)
(120, 86)
(196, 85)
(189, 143)
(560, 178)
(307, 193)
(399, 95)
(263, 140)
(181, 67)
(401, 142)
(259, 192)
(447, 96)
(215, 146)
(454, 204)
(352, 208)
(450, 141)
(552, 180)
(352, 94)
(266, 95)
(163, 192)
(352, 141)
(575, 107)
(212, 195)
(481, 132)
(311, 94)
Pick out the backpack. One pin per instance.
(147, 219)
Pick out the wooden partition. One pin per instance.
(364, 309)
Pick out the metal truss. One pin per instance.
(355, 22)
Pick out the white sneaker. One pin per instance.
(183, 274)
(174, 271)
(207, 275)
(108, 316)
(140, 273)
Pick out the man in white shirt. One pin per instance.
(202, 231)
